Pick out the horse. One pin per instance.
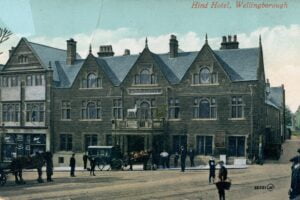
(294, 192)
(132, 110)
(28, 162)
(139, 157)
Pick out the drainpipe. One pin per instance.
(251, 120)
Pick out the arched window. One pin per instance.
(205, 76)
(145, 77)
(91, 111)
(204, 111)
(205, 108)
(91, 81)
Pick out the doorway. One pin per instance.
(135, 143)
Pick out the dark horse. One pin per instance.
(28, 162)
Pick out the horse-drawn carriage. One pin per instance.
(111, 157)
(18, 164)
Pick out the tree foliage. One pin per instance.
(288, 116)
(4, 35)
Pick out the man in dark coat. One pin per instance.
(182, 158)
(222, 177)
(72, 165)
(84, 158)
(49, 166)
(176, 157)
(294, 191)
(212, 169)
(192, 156)
(93, 165)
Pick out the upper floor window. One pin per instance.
(173, 108)
(117, 109)
(10, 81)
(37, 79)
(91, 110)
(35, 112)
(205, 108)
(205, 76)
(66, 110)
(22, 59)
(145, 77)
(237, 107)
(92, 81)
(11, 112)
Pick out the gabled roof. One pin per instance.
(239, 64)
(276, 96)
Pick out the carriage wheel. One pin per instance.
(117, 164)
(101, 164)
(2, 178)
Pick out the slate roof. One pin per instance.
(1, 67)
(276, 96)
(239, 64)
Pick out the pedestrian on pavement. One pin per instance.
(176, 157)
(72, 165)
(93, 165)
(85, 159)
(295, 159)
(212, 170)
(182, 158)
(164, 158)
(49, 166)
(192, 156)
(222, 179)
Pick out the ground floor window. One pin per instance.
(236, 146)
(22, 144)
(90, 140)
(178, 141)
(204, 145)
(109, 140)
(66, 142)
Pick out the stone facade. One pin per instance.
(203, 100)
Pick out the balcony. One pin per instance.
(134, 124)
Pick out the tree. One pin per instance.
(288, 116)
(4, 35)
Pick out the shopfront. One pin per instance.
(22, 144)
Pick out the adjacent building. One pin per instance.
(215, 101)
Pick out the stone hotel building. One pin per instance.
(215, 101)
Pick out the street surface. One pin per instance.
(248, 184)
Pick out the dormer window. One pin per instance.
(205, 76)
(145, 77)
(92, 81)
(22, 59)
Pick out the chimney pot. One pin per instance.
(229, 38)
(229, 44)
(234, 38)
(126, 52)
(105, 51)
(224, 39)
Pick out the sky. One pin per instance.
(126, 23)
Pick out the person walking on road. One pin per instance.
(85, 159)
(192, 156)
(49, 166)
(72, 165)
(182, 158)
(164, 158)
(93, 165)
(212, 170)
(221, 183)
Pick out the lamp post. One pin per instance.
(2, 132)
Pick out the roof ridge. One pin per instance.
(47, 46)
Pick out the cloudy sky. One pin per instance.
(126, 23)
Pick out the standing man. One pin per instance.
(93, 165)
(49, 166)
(212, 169)
(192, 156)
(182, 158)
(84, 158)
(176, 157)
(222, 177)
(164, 157)
(72, 165)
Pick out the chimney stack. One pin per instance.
(126, 52)
(268, 87)
(105, 51)
(71, 51)
(11, 51)
(229, 43)
(173, 47)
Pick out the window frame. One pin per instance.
(66, 110)
(39, 112)
(86, 112)
(234, 108)
(212, 107)
(117, 108)
(173, 108)
(11, 115)
(68, 142)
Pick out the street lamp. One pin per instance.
(2, 132)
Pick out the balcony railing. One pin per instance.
(138, 124)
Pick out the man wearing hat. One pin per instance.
(222, 177)
(212, 169)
